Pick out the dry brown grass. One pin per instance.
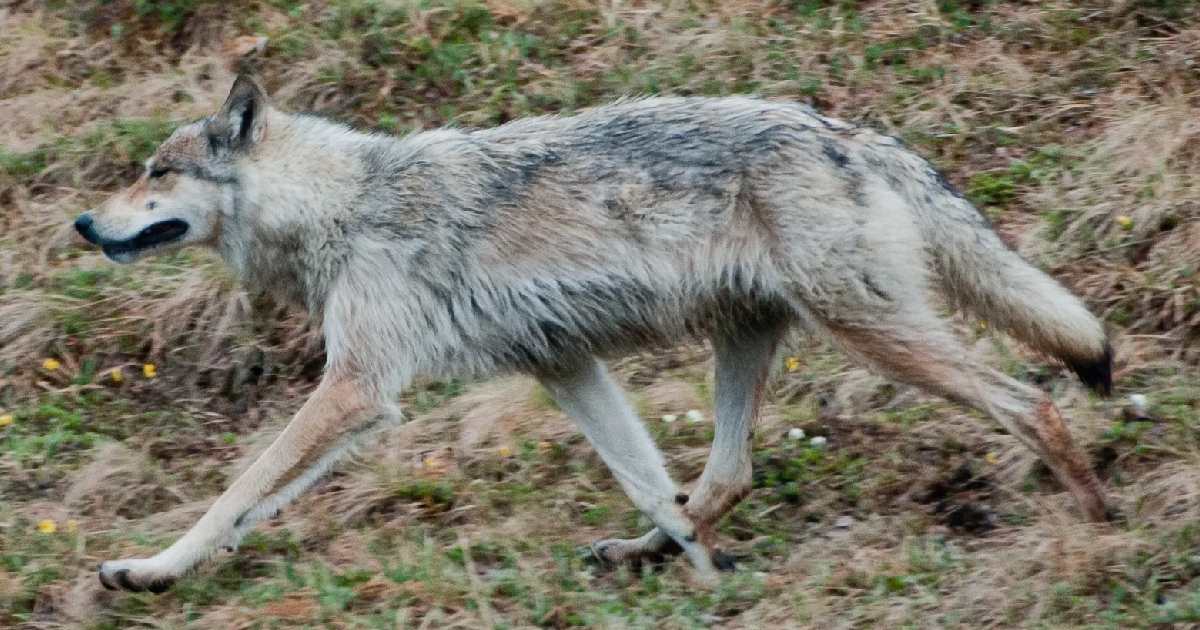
(1058, 117)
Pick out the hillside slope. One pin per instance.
(129, 396)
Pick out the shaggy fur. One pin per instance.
(544, 243)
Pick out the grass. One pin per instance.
(1071, 124)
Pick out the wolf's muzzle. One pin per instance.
(158, 233)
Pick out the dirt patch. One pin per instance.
(961, 501)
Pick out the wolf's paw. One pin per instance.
(634, 552)
(135, 575)
(723, 561)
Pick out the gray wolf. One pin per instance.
(545, 244)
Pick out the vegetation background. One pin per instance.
(130, 396)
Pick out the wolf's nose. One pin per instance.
(83, 225)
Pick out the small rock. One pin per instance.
(670, 418)
(1138, 409)
(694, 415)
(818, 442)
(796, 434)
(844, 521)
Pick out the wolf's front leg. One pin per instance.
(338, 411)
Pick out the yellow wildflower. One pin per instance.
(6, 420)
(1125, 221)
(51, 364)
(792, 363)
(504, 451)
(435, 465)
(116, 375)
(47, 526)
(991, 458)
(150, 370)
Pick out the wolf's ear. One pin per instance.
(242, 120)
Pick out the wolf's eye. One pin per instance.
(158, 171)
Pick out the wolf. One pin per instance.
(545, 245)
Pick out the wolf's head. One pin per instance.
(189, 184)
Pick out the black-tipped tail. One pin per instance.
(1096, 373)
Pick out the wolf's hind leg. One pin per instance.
(915, 346)
(743, 363)
(586, 392)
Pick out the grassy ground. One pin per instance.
(1075, 125)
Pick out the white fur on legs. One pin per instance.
(743, 365)
(206, 538)
(587, 393)
(321, 431)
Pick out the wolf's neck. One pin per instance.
(296, 201)
(296, 265)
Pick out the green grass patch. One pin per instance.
(130, 140)
(22, 165)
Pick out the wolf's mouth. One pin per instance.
(156, 234)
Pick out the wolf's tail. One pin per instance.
(983, 275)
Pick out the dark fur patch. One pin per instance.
(939, 177)
(1095, 372)
(836, 155)
(874, 288)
